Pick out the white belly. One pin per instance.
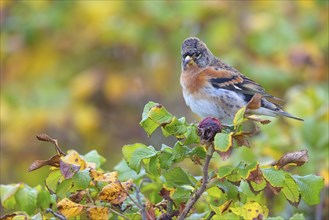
(221, 104)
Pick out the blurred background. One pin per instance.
(82, 71)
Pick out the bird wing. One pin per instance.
(233, 80)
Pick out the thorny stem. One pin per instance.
(203, 187)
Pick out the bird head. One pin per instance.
(195, 52)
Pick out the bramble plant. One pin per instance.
(149, 183)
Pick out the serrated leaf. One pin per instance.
(191, 135)
(275, 177)
(230, 189)
(291, 191)
(26, 199)
(94, 157)
(239, 116)
(181, 194)
(223, 142)
(310, 187)
(245, 171)
(165, 158)
(198, 151)
(146, 123)
(178, 176)
(225, 171)
(81, 179)
(250, 210)
(69, 209)
(175, 127)
(179, 152)
(160, 115)
(96, 213)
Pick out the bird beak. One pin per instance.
(187, 60)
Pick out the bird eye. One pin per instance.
(199, 55)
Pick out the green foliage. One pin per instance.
(160, 181)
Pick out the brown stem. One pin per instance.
(203, 187)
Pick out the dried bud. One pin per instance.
(208, 128)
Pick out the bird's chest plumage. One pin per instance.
(206, 100)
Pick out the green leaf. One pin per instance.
(179, 152)
(258, 186)
(297, 216)
(7, 194)
(81, 179)
(275, 177)
(175, 127)
(191, 135)
(230, 189)
(94, 157)
(247, 169)
(223, 141)
(44, 199)
(181, 194)
(310, 187)
(128, 150)
(160, 115)
(198, 151)
(239, 116)
(140, 154)
(64, 188)
(148, 124)
(225, 171)
(53, 179)
(290, 190)
(153, 166)
(26, 198)
(125, 172)
(165, 158)
(178, 176)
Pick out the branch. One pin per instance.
(203, 187)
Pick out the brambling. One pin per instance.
(213, 88)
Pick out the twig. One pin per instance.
(203, 187)
(118, 213)
(57, 215)
(140, 201)
(212, 213)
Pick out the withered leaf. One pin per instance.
(225, 155)
(53, 161)
(255, 102)
(258, 119)
(78, 196)
(298, 158)
(165, 194)
(98, 213)
(69, 209)
(46, 138)
(256, 175)
(150, 211)
(241, 139)
(14, 216)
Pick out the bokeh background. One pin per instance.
(81, 71)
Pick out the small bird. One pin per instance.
(212, 88)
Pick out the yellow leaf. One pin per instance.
(325, 174)
(97, 213)
(251, 210)
(104, 177)
(115, 193)
(69, 209)
(74, 158)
